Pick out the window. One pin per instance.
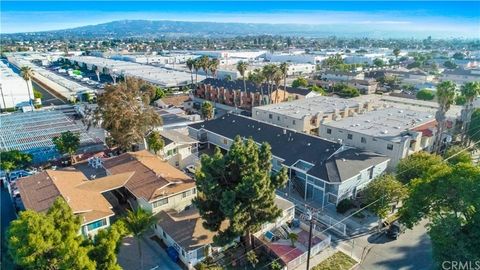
(164, 234)
(187, 193)
(160, 203)
(270, 116)
(349, 136)
(363, 140)
(293, 122)
(390, 146)
(329, 131)
(278, 118)
(225, 141)
(97, 224)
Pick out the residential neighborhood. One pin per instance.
(248, 135)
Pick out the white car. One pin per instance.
(190, 169)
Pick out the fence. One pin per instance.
(327, 239)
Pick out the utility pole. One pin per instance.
(310, 212)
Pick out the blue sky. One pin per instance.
(443, 19)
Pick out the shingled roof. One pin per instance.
(332, 161)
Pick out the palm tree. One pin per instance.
(445, 98)
(204, 62)
(269, 71)
(27, 74)
(242, 68)
(470, 91)
(196, 67)
(293, 238)
(213, 65)
(190, 64)
(277, 78)
(137, 223)
(284, 69)
(258, 79)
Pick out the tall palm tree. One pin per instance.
(258, 79)
(284, 69)
(137, 223)
(190, 64)
(242, 68)
(445, 98)
(27, 74)
(213, 65)
(277, 78)
(204, 62)
(470, 91)
(196, 67)
(268, 71)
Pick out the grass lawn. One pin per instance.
(338, 261)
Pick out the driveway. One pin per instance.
(411, 251)
(154, 257)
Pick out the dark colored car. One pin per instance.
(394, 230)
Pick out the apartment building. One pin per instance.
(320, 170)
(395, 133)
(232, 93)
(307, 115)
(461, 76)
(179, 150)
(86, 198)
(342, 76)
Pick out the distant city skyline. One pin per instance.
(438, 19)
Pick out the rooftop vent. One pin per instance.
(385, 131)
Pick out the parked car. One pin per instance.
(190, 169)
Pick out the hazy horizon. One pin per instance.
(438, 19)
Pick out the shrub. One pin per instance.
(425, 94)
(344, 205)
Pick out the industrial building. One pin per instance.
(13, 88)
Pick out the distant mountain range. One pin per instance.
(153, 29)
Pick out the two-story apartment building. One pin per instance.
(461, 76)
(179, 149)
(342, 76)
(307, 115)
(85, 197)
(320, 170)
(232, 93)
(395, 133)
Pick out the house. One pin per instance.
(461, 76)
(307, 115)
(320, 170)
(192, 242)
(179, 149)
(342, 76)
(232, 93)
(366, 86)
(86, 198)
(176, 101)
(395, 133)
(155, 184)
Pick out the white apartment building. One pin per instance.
(307, 115)
(395, 133)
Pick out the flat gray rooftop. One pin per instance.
(388, 122)
(310, 106)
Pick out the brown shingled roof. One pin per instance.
(152, 177)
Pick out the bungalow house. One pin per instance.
(85, 197)
(183, 231)
(320, 170)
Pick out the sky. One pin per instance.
(440, 18)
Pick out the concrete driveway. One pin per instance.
(154, 257)
(411, 251)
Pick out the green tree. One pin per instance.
(425, 94)
(14, 159)
(252, 258)
(125, 113)
(473, 132)
(470, 91)
(155, 142)
(137, 223)
(459, 56)
(213, 66)
(190, 65)
(284, 71)
(457, 154)
(37, 94)
(293, 238)
(207, 110)
(449, 201)
(418, 165)
(378, 62)
(445, 98)
(67, 143)
(48, 241)
(384, 192)
(204, 63)
(460, 100)
(317, 89)
(345, 91)
(396, 52)
(450, 64)
(300, 82)
(238, 188)
(106, 246)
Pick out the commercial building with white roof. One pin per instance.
(156, 75)
(307, 115)
(13, 88)
(396, 133)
